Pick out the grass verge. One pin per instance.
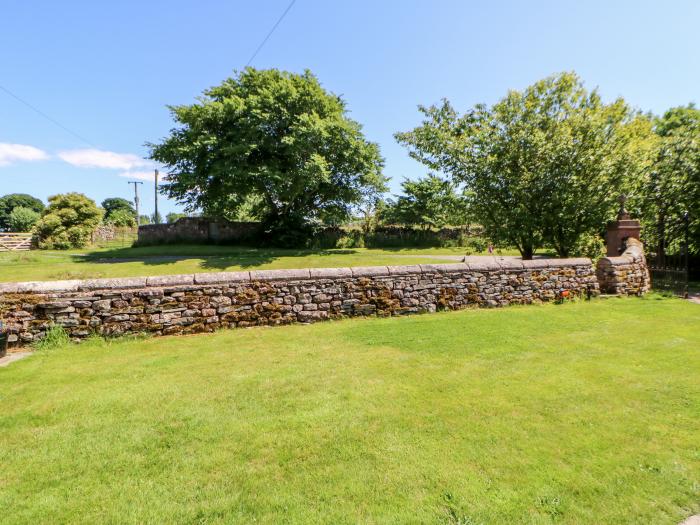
(580, 413)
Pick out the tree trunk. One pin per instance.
(527, 251)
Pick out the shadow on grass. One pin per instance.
(212, 257)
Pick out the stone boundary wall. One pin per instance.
(184, 304)
(197, 230)
(627, 274)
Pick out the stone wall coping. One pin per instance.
(634, 253)
(620, 260)
(159, 281)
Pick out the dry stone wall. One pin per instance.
(627, 274)
(185, 304)
(197, 230)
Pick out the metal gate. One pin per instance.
(670, 272)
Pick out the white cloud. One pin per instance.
(10, 153)
(142, 175)
(95, 158)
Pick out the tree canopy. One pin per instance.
(544, 165)
(121, 217)
(428, 202)
(273, 140)
(118, 204)
(17, 200)
(672, 188)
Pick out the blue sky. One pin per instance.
(106, 70)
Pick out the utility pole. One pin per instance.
(156, 217)
(136, 199)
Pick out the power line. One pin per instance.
(52, 120)
(279, 20)
(83, 139)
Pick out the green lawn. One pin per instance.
(174, 259)
(582, 413)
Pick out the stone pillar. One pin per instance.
(620, 230)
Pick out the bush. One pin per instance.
(17, 200)
(174, 217)
(68, 222)
(591, 246)
(22, 219)
(122, 218)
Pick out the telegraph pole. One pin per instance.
(136, 199)
(156, 216)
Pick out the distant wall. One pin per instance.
(197, 230)
(627, 274)
(184, 304)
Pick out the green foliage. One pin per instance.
(68, 222)
(174, 217)
(277, 140)
(428, 202)
(156, 218)
(672, 188)
(589, 245)
(17, 200)
(121, 217)
(542, 166)
(145, 219)
(56, 337)
(22, 219)
(117, 205)
(396, 237)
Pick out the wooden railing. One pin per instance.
(15, 242)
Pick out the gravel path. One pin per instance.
(12, 357)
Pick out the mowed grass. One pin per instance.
(580, 413)
(176, 259)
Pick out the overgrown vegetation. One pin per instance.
(56, 337)
(579, 413)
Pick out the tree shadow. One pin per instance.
(211, 257)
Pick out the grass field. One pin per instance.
(175, 259)
(580, 413)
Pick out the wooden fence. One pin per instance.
(15, 242)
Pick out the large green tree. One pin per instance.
(67, 222)
(544, 165)
(428, 202)
(118, 204)
(672, 189)
(275, 139)
(17, 200)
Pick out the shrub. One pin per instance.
(174, 217)
(591, 246)
(22, 219)
(16, 200)
(121, 217)
(68, 222)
